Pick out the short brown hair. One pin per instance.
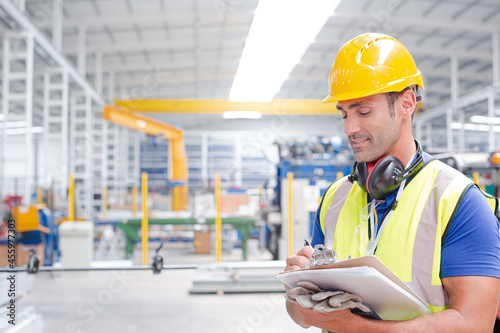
(393, 96)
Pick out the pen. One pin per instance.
(306, 243)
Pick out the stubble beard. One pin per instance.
(376, 148)
(365, 153)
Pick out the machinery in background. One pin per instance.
(315, 163)
(495, 175)
(466, 162)
(484, 168)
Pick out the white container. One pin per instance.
(76, 241)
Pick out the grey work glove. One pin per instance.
(308, 295)
(303, 288)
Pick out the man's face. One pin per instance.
(369, 126)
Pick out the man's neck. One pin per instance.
(405, 150)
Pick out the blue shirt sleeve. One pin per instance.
(472, 244)
(317, 236)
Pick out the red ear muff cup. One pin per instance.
(384, 178)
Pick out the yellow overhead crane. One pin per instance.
(284, 107)
(139, 122)
(121, 114)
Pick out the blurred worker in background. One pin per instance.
(434, 228)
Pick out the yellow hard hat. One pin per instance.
(371, 64)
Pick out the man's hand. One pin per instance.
(336, 321)
(300, 260)
(473, 301)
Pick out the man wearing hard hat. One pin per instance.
(428, 223)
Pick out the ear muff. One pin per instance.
(361, 174)
(385, 177)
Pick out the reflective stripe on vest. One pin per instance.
(331, 212)
(410, 244)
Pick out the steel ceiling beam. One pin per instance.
(132, 48)
(464, 101)
(426, 22)
(431, 8)
(464, 10)
(490, 15)
(398, 20)
(495, 48)
(235, 44)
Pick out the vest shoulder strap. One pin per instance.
(327, 199)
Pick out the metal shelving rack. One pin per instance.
(70, 110)
(227, 153)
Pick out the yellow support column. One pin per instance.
(475, 177)
(260, 196)
(144, 223)
(176, 198)
(49, 198)
(71, 197)
(134, 202)
(290, 213)
(179, 173)
(39, 195)
(105, 203)
(218, 220)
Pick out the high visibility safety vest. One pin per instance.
(410, 244)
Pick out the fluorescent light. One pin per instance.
(16, 124)
(475, 127)
(11, 116)
(22, 130)
(242, 114)
(280, 34)
(485, 120)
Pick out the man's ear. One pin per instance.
(408, 103)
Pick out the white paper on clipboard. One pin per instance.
(367, 277)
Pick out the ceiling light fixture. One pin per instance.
(242, 115)
(485, 120)
(280, 34)
(475, 127)
(16, 124)
(19, 130)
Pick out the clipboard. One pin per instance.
(368, 277)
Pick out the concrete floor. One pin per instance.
(131, 301)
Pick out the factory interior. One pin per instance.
(162, 158)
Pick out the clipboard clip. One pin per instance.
(322, 256)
